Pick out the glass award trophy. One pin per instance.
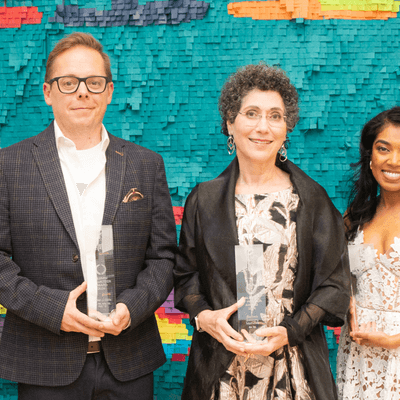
(250, 286)
(106, 298)
(361, 257)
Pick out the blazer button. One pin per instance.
(75, 258)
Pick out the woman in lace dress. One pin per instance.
(369, 355)
(263, 200)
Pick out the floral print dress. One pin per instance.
(366, 372)
(269, 219)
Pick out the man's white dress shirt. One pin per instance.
(85, 179)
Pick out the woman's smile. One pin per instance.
(260, 141)
(391, 175)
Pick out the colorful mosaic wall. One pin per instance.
(315, 9)
(169, 61)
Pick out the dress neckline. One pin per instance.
(265, 194)
(393, 248)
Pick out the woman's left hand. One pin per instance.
(277, 338)
(352, 316)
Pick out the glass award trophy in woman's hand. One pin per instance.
(362, 262)
(250, 289)
(106, 298)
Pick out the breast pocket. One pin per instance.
(136, 214)
(132, 227)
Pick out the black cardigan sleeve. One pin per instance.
(311, 313)
(189, 295)
(323, 266)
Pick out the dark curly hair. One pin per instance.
(261, 77)
(364, 194)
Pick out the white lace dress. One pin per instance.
(366, 372)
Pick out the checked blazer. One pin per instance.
(40, 264)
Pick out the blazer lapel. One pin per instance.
(115, 173)
(217, 218)
(46, 157)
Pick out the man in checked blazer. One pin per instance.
(56, 191)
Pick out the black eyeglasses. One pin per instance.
(70, 84)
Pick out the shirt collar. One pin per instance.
(63, 141)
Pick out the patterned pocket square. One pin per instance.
(132, 195)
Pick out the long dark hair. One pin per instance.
(364, 194)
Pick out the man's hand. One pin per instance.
(75, 321)
(118, 322)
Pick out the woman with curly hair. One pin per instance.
(261, 199)
(368, 356)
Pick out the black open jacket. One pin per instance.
(205, 277)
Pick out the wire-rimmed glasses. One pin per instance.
(275, 118)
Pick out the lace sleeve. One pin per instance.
(303, 322)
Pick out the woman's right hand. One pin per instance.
(216, 324)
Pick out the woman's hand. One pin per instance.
(352, 316)
(367, 335)
(216, 324)
(277, 338)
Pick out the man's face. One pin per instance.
(81, 110)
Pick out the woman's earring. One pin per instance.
(370, 165)
(231, 146)
(282, 153)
